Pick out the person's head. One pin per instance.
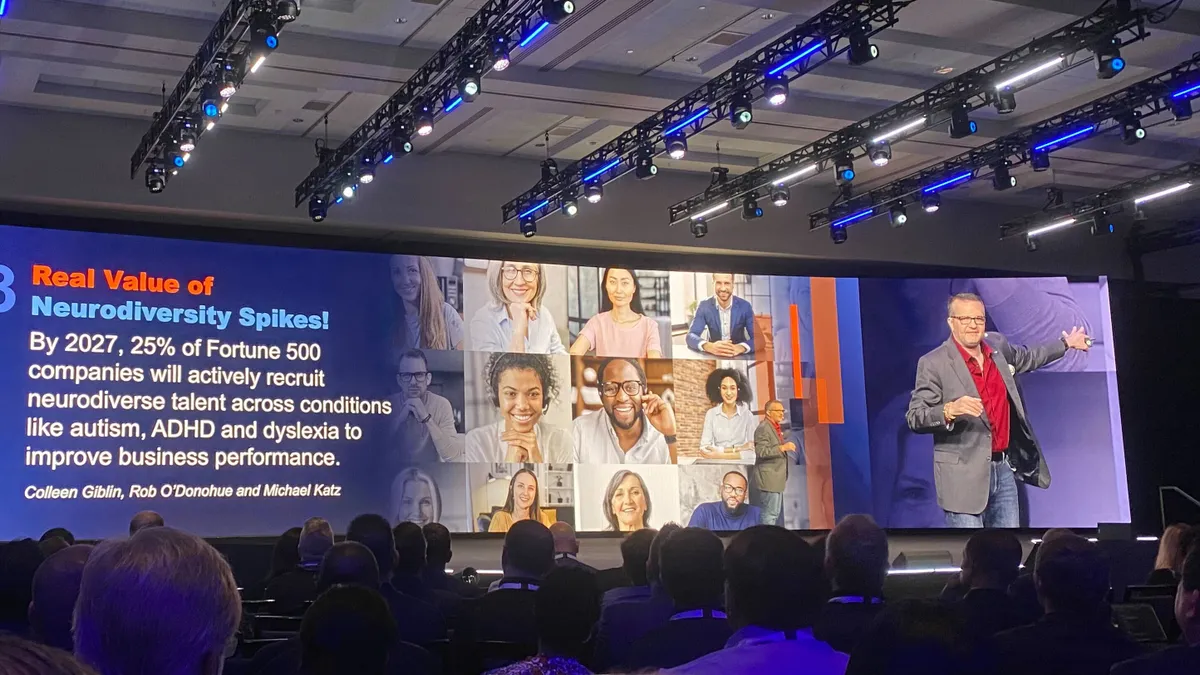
(566, 608)
(19, 561)
(690, 568)
(55, 590)
(24, 657)
(1170, 556)
(522, 387)
(416, 498)
(774, 411)
(523, 499)
(374, 532)
(437, 545)
(348, 562)
(60, 532)
(412, 373)
(528, 550)
(143, 519)
(1187, 596)
(620, 288)
(654, 562)
(48, 547)
(856, 556)
(161, 601)
(348, 629)
(635, 556)
(410, 548)
(991, 559)
(1071, 575)
(285, 555)
(723, 287)
(316, 537)
(728, 386)
(773, 580)
(565, 540)
(416, 285)
(734, 489)
(626, 502)
(514, 282)
(966, 317)
(622, 385)
(922, 636)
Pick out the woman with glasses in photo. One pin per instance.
(515, 320)
(422, 317)
(621, 328)
(522, 387)
(523, 503)
(422, 422)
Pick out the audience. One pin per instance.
(293, 589)
(774, 590)
(349, 629)
(1076, 634)
(143, 519)
(856, 562)
(19, 561)
(48, 547)
(60, 532)
(990, 564)
(566, 547)
(507, 613)
(410, 563)
(22, 657)
(437, 556)
(1184, 659)
(160, 602)
(624, 621)
(1172, 547)
(635, 556)
(922, 637)
(54, 593)
(1022, 590)
(348, 563)
(690, 568)
(566, 607)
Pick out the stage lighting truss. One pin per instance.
(1153, 96)
(1038, 60)
(448, 80)
(1163, 185)
(242, 36)
(810, 44)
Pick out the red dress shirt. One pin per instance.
(990, 384)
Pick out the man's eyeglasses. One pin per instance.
(970, 320)
(630, 387)
(527, 273)
(409, 377)
(738, 491)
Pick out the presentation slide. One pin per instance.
(240, 389)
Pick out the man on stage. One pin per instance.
(966, 397)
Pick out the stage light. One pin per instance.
(210, 100)
(186, 138)
(1101, 226)
(1006, 101)
(861, 49)
(528, 226)
(287, 10)
(449, 106)
(1002, 179)
(853, 218)
(776, 89)
(1181, 109)
(961, 125)
(424, 121)
(699, 228)
(717, 175)
(318, 208)
(740, 112)
(780, 195)
(156, 177)
(570, 205)
(1161, 193)
(1078, 133)
(1132, 131)
(468, 86)
(880, 153)
(803, 53)
(593, 192)
(549, 169)
(710, 211)
(1108, 59)
(604, 168)
(1031, 244)
(949, 182)
(898, 214)
(1020, 77)
(264, 39)
(3, 7)
(796, 174)
(931, 202)
(227, 80)
(844, 168)
(696, 116)
(557, 10)
(908, 126)
(533, 35)
(1039, 231)
(838, 234)
(644, 167)
(1039, 160)
(676, 146)
(401, 143)
(500, 55)
(366, 170)
(750, 208)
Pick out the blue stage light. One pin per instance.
(1065, 137)
(211, 109)
(847, 174)
(696, 116)
(178, 160)
(601, 170)
(807, 51)
(1179, 94)
(389, 158)
(453, 104)
(532, 36)
(1118, 64)
(842, 222)
(535, 208)
(948, 182)
(272, 41)
(3, 7)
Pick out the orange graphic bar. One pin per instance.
(827, 351)
(797, 382)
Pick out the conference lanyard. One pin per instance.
(778, 636)
(855, 600)
(699, 614)
(517, 585)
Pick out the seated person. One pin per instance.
(55, 591)
(990, 564)
(635, 554)
(507, 612)
(437, 556)
(622, 623)
(566, 606)
(1182, 659)
(347, 630)
(923, 637)
(732, 512)
(417, 621)
(23, 657)
(566, 547)
(522, 387)
(294, 589)
(856, 562)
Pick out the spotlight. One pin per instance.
(349, 188)
(401, 143)
(227, 80)
(187, 135)
(780, 195)
(424, 121)
(844, 168)
(570, 205)
(1039, 160)
(1108, 59)
(557, 10)
(593, 192)
(676, 146)
(898, 215)
(1001, 178)
(740, 112)
(1101, 225)
(1031, 244)
(699, 228)
(156, 177)
(1006, 101)
(961, 125)
(264, 38)
(776, 89)
(718, 175)
(644, 166)
(838, 234)
(318, 208)
(931, 202)
(861, 50)
(468, 87)
(750, 208)
(366, 170)
(528, 226)
(1132, 131)
(1181, 108)
(880, 153)
(210, 100)
(287, 10)
(549, 169)
(500, 57)
(1139, 215)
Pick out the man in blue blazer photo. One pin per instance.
(724, 324)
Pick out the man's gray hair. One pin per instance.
(965, 297)
(161, 601)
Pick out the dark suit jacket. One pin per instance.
(417, 621)
(438, 579)
(284, 658)
(1065, 644)
(622, 623)
(292, 591)
(447, 604)
(988, 611)
(841, 625)
(741, 324)
(563, 560)
(505, 615)
(1174, 661)
(770, 470)
(613, 577)
(678, 642)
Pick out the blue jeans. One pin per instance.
(1003, 509)
(772, 505)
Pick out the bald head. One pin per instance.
(348, 562)
(55, 589)
(143, 519)
(856, 556)
(565, 540)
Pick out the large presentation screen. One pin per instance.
(240, 389)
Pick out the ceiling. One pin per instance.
(608, 67)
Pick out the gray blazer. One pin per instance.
(770, 470)
(962, 451)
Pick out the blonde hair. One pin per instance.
(431, 322)
(1169, 556)
(496, 283)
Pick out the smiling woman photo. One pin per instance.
(523, 503)
(627, 502)
(521, 387)
(728, 431)
(621, 328)
(423, 318)
(515, 320)
(415, 498)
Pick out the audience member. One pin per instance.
(1172, 547)
(856, 563)
(1178, 660)
(566, 607)
(348, 562)
(296, 587)
(774, 590)
(417, 621)
(1076, 634)
(566, 547)
(624, 621)
(284, 557)
(143, 519)
(635, 558)
(507, 613)
(19, 561)
(159, 602)
(22, 657)
(690, 568)
(1022, 590)
(410, 562)
(437, 555)
(349, 629)
(55, 590)
(990, 564)
(48, 547)
(60, 532)
(921, 637)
